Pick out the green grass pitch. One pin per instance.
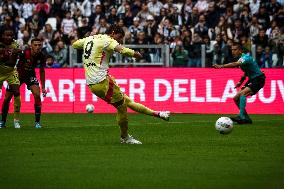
(83, 151)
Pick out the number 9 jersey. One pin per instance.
(98, 50)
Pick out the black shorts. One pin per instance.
(28, 81)
(256, 84)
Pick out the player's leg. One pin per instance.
(137, 107)
(237, 102)
(241, 99)
(13, 89)
(110, 93)
(6, 103)
(35, 89)
(17, 107)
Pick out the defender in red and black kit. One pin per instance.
(29, 60)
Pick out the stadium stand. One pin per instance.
(202, 31)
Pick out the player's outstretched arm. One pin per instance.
(79, 44)
(229, 65)
(127, 52)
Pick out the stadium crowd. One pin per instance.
(184, 25)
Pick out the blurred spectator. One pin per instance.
(150, 28)
(186, 9)
(175, 16)
(47, 32)
(136, 27)
(193, 18)
(263, 17)
(273, 7)
(261, 38)
(121, 9)
(96, 15)
(202, 6)
(103, 26)
(84, 29)
(186, 37)
(136, 7)
(154, 7)
(279, 17)
(112, 18)
(8, 23)
(57, 36)
(254, 27)
(42, 8)
(195, 51)
(229, 16)
(209, 48)
(180, 55)
(201, 27)
(68, 6)
(56, 9)
(11, 7)
(212, 15)
(167, 29)
(217, 57)
(34, 25)
(266, 58)
(60, 54)
(238, 30)
(122, 25)
(50, 63)
(163, 15)
(258, 55)
(245, 17)
(85, 7)
(26, 9)
(254, 6)
(128, 16)
(143, 14)
(246, 43)
(280, 51)
(221, 26)
(67, 26)
(24, 42)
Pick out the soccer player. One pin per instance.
(30, 59)
(97, 50)
(9, 52)
(256, 81)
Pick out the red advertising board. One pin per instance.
(180, 90)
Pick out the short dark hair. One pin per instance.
(35, 39)
(238, 45)
(115, 29)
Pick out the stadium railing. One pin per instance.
(154, 55)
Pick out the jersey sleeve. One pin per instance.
(79, 44)
(110, 44)
(244, 59)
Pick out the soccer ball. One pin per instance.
(90, 108)
(224, 125)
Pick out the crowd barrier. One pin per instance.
(180, 90)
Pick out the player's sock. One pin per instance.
(17, 107)
(122, 120)
(37, 113)
(243, 101)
